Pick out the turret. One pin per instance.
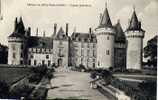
(105, 41)
(16, 43)
(134, 34)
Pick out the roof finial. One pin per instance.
(134, 7)
(118, 21)
(106, 4)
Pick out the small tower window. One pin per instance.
(107, 37)
(14, 55)
(94, 45)
(47, 56)
(43, 62)
(35, 62)
(29, 62)
(107, 52)
(49, 62)
(93, 53)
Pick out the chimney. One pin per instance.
(90, 30)
(15, 24)
(37, 32)
(55, 28)
(44, 33)
(29, 31)
(67, 29)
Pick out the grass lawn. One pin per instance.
(13, 74)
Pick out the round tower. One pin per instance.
(134, 35)
(105, 41)
(16, 44)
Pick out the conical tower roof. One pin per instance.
(120, 36)
(105, 19)
(134, 24)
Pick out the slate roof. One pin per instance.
(134, 23)
(19, 29)
(86, 37)
(105, 20)
(120, 36)
(40, 42)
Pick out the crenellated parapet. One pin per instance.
(105, 31)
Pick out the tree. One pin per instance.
(49, 75)
(149, 87)
(150, 51)
(106, 76)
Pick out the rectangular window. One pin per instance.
(88, 52)
(14, 55)
(93, 60)
(107, 52)
(107, 37)
(43, 62)
(81, 60)
(21, 62)
(49, 62)
(29, 62)
(21, 55)
(94, 45)
(93, 53)
(47, 56)
(35, 62)
(31, 56)
(88, 45)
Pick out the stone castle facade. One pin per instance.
(108, 46)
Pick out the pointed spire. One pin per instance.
(134, 23)
(61, 31)
(21, 28)
(118, 27)
(120, 36)
(134, 7)
(106, 4)
(105, 20)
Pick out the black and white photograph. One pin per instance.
(78, 49)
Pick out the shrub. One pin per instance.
(4, 89)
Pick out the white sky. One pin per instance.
(80, 17)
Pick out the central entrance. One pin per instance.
(60, 62)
